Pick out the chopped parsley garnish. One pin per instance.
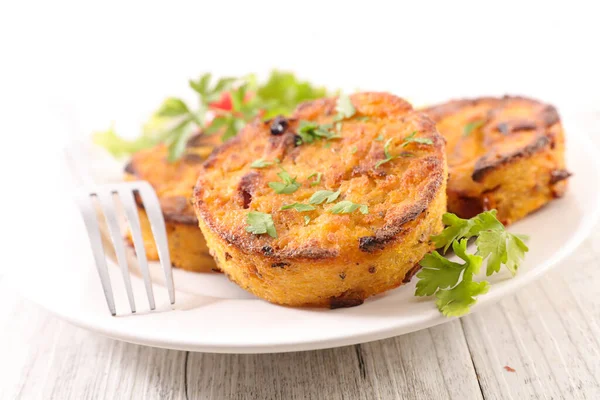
(261, 163)
(412, 139)
(379, 138)
(306, 220)
(317, 180)
(452, 283)
(347, 207)
(259, 223)
(288, 186)
(322, 195)
(473, 125)
(363, 118)
(354, 149)
(298, 207)
(309, 131)
(386, 151)
(409, 139)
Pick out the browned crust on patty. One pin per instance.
(393, 229)
(541, 121)
(504, 153)
(486, 163)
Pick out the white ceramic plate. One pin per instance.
(213, 315)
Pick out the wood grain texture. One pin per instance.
(406, 367)
(548, 333)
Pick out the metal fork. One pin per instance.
(87, 194)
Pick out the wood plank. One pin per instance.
(548, 333)
(434, 363)
(44, 357)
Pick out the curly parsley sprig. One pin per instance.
(452, 283)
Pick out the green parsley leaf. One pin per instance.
(172, 107)
(386, 151)
(283, 91)
(458, 300)
(458, 228)
(347, 207)
(306, 220)
(309, 131)
(380, 138)
(452, 283)
(515, 250)
(298, 207)
(201, 85)
(344, 107)
(117, 146)
(354, 149)
(441, 277)
(322, 195)
(259, 223)
(180, 137)
(412, 139)
(288, 186)
(493, 245)
(473, 125)
(318, 180)
(437, 273)
(363, 118)
(440, 273)
(261, 163)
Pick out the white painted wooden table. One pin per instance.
(543, 342)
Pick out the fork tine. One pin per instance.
(157, 222)
(108, 207)
(128, 201)
(91, 223)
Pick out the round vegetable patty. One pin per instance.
(504, 153)
(327, 207)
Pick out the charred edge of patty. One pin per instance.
(411, 272)
(395, 228)
(347, 299)
(485, 164)
(559, 175)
